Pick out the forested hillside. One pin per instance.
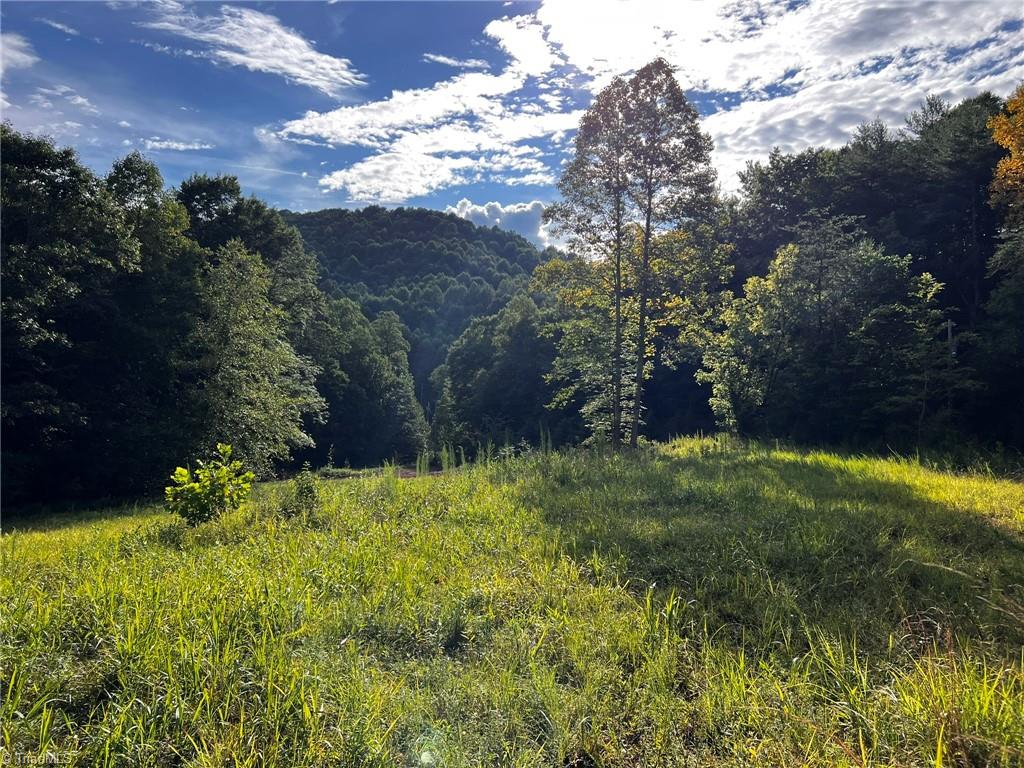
(435, 270)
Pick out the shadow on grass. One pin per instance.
(57, 516)
(766, 547)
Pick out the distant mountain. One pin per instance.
(435, 270)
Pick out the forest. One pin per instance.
(867, 297)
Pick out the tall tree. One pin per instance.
(149, 318)
(670, 180)
(1004, 329)
(250, 387)
(593, 213)
(838, 342)
(65, 242)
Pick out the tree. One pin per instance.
(372, 412)
(775, 196)
(839, 342)
(403, 426)
(582, 329)
(495, 388)
(249, 385)
(670, 180)
(218, 213)
(1004, 329)
(64, 242)
(593, 213)
(139, 384)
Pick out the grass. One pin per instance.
(701, 603)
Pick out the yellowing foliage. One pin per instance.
(1008, 132)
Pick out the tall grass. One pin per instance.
(698, 603)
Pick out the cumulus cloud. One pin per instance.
(448, 61)
(523, 218)
(469, 128)
(244, 37)
(155, 143)
(796, 76)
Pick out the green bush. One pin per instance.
(303, 494)
(220, 485)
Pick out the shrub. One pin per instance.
(303, 494)
(341, 473)
(219, 485)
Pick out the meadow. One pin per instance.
(699, 603)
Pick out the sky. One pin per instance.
(471, 106)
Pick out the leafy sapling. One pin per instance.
(218, 486)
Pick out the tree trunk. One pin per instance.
(641, 341)
(617, 352)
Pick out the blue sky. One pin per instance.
(470, 106)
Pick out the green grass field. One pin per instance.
(700, 604)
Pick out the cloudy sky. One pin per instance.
(471, 106)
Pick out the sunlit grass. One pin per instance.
(700, 603)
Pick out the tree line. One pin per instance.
(869, 296)
(141, 326)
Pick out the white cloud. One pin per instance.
(155, 143)
(468, 128)
(39, 100)
(16, 52)
(83, 103)
(448, 61)
(523, 218)
(59, 27)
(800, 76)
(394, 177)
(244, 37)
(124, 124)
(375, 123)
(523, 39)
(42, 99)
(171, 51)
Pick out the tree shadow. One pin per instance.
(766, 547)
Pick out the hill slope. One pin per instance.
(700, 604)
(436, 270)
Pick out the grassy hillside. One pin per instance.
(701, 604)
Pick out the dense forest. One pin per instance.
(869, 296)
(434, 270)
